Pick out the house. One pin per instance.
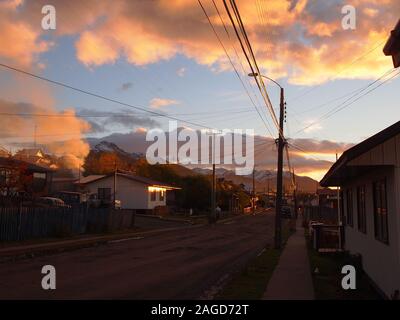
(369, 177)
(20, 176)
(4, 152)
(29, 154)
(392, 46)
(327, 198)
(133, 191)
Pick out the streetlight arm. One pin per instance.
(268, 78)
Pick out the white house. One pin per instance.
(133, 191)
(369, 177)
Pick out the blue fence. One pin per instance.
(27, 223)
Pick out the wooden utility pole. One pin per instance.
(214, 185)
(253, 202)
(295, 194)
(34, 136)
(339, 213)
(279, 182)
(115, 183)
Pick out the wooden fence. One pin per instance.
(27, 223)
(321, 214)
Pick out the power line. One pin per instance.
(343, 105)
(240, 62)
(231, 62)
(341, 71)
(259, 80)
(101, 96)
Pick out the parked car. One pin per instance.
(95, 202)
(286, 212)
(45, 202)
(52, 202)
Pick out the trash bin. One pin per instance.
(316, 234)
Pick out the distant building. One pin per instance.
(392, 46)
(369, 177)
(20, 176)
(133, 191)
(327, 198)
(29, 154)
(4, 152)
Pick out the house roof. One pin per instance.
(393, 44)
(358, 150)
(327, 192)
(30, 152)
(11, 162)
(146, 181)
(89, 179)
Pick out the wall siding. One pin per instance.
(133, 195)
(380, 261)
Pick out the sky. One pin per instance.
(162, 56)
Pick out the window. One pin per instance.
(380, 211)
(162, 195)
(104, 193)
(361, 210)
(349, 207)
(153, 195)
(4, 175)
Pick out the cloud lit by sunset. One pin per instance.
(299, 42)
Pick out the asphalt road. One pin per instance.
(180, 264)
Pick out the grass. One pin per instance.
(327, 281)
(250, 283)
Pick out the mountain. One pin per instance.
(105, 146)
(98, 161)
(263, 178)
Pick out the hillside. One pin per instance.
(263, 178)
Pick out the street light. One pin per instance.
(279, 176)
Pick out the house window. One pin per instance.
(104, 193)
(380, 211)
(153, 195)
(162, 195)
(361, 210)
(349, 207)
(4, 175)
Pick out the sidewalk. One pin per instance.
(291, 279)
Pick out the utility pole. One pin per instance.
(115, 182)
(295, 194)
(281, 145)
(338, 212)
(214, 184)
(34, 136)
(268, 189)
(253, 202)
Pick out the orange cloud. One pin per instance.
(159, 102)
(59, 131)
(299, 39)
(19, 42)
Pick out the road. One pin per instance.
(180, 264)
